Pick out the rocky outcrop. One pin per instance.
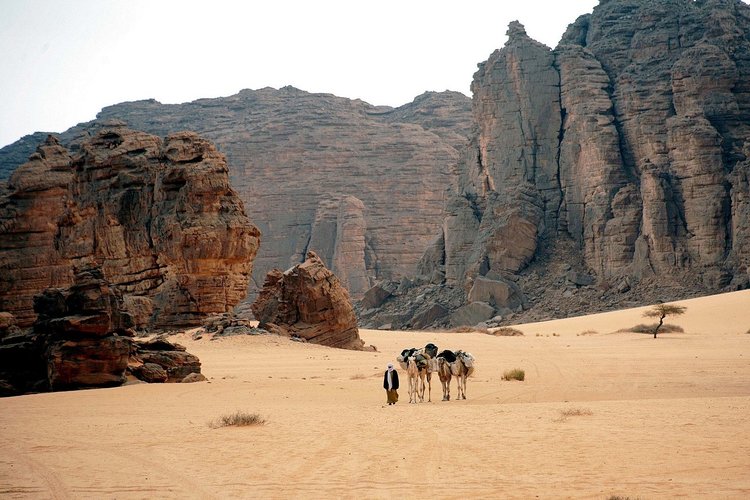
(159, 360)
(612, 169)
(82, 339)
(159, 217)
(323, 173)
(308, 302)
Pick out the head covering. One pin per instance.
(390, 367)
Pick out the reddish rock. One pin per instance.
(309, 302)
(84, 329)
(160, 217)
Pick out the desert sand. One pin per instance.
(599, 414)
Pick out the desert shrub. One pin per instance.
(468, 329)
(573, 412)
(357, 376)
(238, 419)
(643, 328)
(506, 331)
(589, 332)
(514, 374)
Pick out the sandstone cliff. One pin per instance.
(318, 172)
(158, 216)
(613, 169)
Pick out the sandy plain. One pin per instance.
(598, 415)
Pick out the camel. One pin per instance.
(459, 365)
(462, 369)
(412, 372)
(426, 364)
(444, 374)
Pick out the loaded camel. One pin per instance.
(419, 365)
(459, 365)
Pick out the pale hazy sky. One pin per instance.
(61, 61)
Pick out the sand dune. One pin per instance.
(599, 414)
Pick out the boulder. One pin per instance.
(580, 279)
(499, 293)
(472, 314)
(377, 294)
(173, 360)
(426, 318)
(307, 301)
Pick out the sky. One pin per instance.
(62, 61)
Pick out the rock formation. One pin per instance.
(612, 170)
(84, 330)
(308, 302)
(159, 360)
(319, 172)
(159, 217)
(82, 338)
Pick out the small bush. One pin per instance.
(573, 412)
(514, 374)
(357, 376)
(589, 332)
(238, 419)
(506, 331)
(650, 329)
(468, 329)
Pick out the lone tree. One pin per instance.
(661, 311)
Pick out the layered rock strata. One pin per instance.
(85, 330)
(299, 161)
(308, 302)
(159, 216)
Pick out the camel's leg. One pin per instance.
(429, 387)
(446, 389)
(420, 387)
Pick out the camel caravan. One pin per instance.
(420, 364)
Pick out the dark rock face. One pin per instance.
(362, 186)
(84, 331)
(81, 339)
(308, 302)
(612, 170)
(159, 216)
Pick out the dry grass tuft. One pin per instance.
(506, 331)
(238, 419)
(468, 329)
(618, 497)
(358, 376)
(650, 329)
(589, 332)
(573, 412)
(514, 374)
